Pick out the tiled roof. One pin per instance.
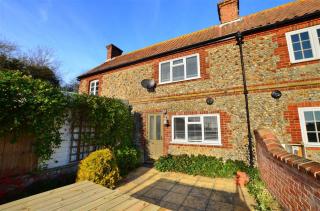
(281, 13)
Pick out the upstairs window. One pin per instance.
(94, 87)
(304, 44)
(310, 125)
(180, 69)
(196, 129)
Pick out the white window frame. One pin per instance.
(93, 83)
(196, 142)
(315, 45)
(303, 126)
(185, 68)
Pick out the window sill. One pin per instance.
(196, 143)
(172, 82)
(312, 145)
(304, 60)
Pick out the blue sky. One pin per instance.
(79, 30)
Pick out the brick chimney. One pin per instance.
(113, 51)
(228, 10)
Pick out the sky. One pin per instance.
(77, 31)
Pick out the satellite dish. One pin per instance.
(148, 84)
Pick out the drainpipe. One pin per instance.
(239, 38)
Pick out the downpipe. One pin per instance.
(239, 38)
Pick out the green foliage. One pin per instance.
(35, 107)
(214, 167)
(111, 119)
(38, 64)
(258, 189)
(99, 167)
(199, 165)
(128, 158)
(30, 106)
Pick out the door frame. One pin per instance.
(148, 139)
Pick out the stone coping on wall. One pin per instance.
(273, 146)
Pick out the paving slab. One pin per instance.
(177, 191)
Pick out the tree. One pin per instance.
(72, 86)
(38, 63)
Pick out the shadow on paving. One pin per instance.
(179, 196)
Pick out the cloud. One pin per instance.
(43, 14)
(43, 10)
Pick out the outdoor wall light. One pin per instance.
(149, 84)
(276, 94)
(209, 100)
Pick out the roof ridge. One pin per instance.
(174, 38)
(210, 27)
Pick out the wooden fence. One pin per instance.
(16, 158)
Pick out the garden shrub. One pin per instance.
(99, 167)
(199, 165)
(128, 158)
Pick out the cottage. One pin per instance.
(205, 92)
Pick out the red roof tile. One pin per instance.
(281, 13)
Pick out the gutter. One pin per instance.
(211, 41)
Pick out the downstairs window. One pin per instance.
(196, 129)
(310, 125)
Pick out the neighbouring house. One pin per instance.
(202, 94)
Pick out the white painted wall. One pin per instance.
(60, 156)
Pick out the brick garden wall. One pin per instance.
(294, 181)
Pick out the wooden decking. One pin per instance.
(80, 196)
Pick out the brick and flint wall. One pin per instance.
(297, 182)
(267, 67)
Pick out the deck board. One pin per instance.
(79, 196)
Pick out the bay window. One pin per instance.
(196, 129)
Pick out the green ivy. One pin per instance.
(34, 107)
(31, 107)
(258, 189)
(111, 119)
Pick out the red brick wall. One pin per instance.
(228, 10)
(294, 181)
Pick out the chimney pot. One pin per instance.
(228, 10)
(113, 51)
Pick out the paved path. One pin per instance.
(176, 191)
